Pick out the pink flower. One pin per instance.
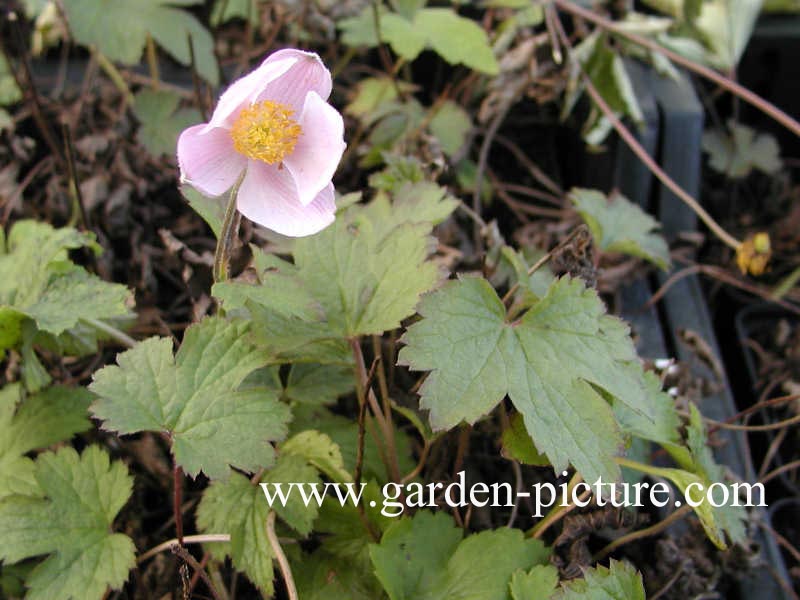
(276, 126)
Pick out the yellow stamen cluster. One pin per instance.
(266, 131)
(753, 254)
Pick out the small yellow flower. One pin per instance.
(754, 253)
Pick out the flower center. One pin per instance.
(266, 131)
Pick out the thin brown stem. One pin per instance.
(177, 492)
(283, 563)
(791, 466)
(767, 427)
(560, 511)
(184, 555)
(362, 413)
(423, 456)
(365, 393)
(189, 539)
(152, 62)
(643, 533)
(74, 184)
(723, 276)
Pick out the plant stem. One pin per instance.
(191, 561)
(227, 233)
(795, 464)
(177, 492)
(189, 539)
(558, 512)
(115, 334)
(724, 82)
(283, 564)
(113, 74)
(74, 184)
(152, 62)
(365, 393)
(383, 386)
(643, 533)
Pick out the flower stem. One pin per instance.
(120, 337)
(187, 539)
(643, 533)
(558, 512)
(227, 233)
(152, 62)
(286, 570)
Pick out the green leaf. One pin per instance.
(40, 286)
(71, 522)
(736, 155)
(414, 552)
(424, 558)
(619, 225)
(549, 362)
(368, 274)
(6, 122)
(194, 398)
(212, 210)
(405, 37)
(450, 125)
(320, 451)
(512, 268)
(344, 433)
(606, 70)
(729, 518)
(323, 576)
(238, 507)
(119, 30)
(346, 535)
(618, 581)
(457, 39)
(9, 91)
(664, 428)
(311, 384)
(539, 582)
(51, 416)
(318, 384)
(227, 10)
(359, 30)
(371, 93)
(408, 8)
(161, 120)
(340, 569)
(398, 172)
(725, 27)
(518, 445)
(363, 275)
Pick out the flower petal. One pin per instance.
(268, 196)
(207, 160)
(319, 148)
(245, 90)
(307, 74)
